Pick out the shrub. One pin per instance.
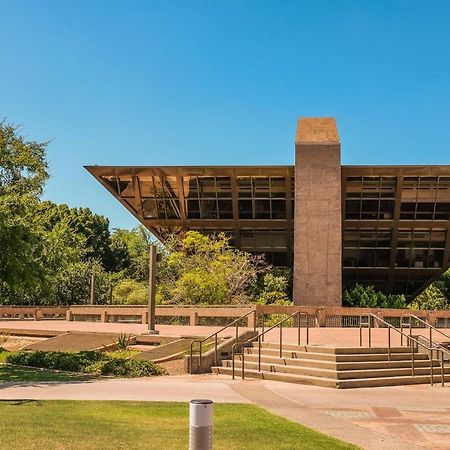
(366, 297)
(86, 362)
(122, 367)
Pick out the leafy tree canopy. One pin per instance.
(366, 297)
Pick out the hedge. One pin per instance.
(87, 362)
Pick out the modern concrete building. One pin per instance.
(388, 226)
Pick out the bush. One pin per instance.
(122, 367)
(366, 297)
(87, 362)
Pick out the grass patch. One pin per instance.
(3, 354)
(144, 425)
(10, 373)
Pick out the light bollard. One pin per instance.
(200, 424)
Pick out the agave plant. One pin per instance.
(123, 341)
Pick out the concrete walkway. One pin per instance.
(328, 336)
(406, 417)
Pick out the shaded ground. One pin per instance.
(139, 425)
(16, 374)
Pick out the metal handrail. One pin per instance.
(261, 335)
(411, 341)
(215, 336)
(428, 325)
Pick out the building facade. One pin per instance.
(387, 226)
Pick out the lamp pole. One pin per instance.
(92, 298)
(152, 290)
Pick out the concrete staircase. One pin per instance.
(337, 367)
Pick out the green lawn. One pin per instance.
(147, 425)
(10, 373)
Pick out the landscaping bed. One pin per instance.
(88, 362)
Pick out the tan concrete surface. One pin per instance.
(346, 337)
(317, 238)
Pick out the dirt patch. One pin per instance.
(175, 367)
(12, 343)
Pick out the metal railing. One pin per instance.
(260, 338)
(426, 324)
(235, 323)
(410, 342)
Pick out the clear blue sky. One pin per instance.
(221, 82)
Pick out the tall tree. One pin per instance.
(23, 172)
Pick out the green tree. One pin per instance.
(130, 292)
(72, 283)
(366, 297)
(275, 290)
(199, 269)
(23, 172)
(436, 296)
(92, 230)
(130, 252)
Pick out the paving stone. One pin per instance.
(433, 428)
(351, 414)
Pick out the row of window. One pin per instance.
(380, 257)
(403, 283)
(383, 209)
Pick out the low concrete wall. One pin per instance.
(107, 313)
(32, 312)
(319, 316)
(208, 358)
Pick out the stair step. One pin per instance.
(335, 357)
(391, 381)
(328, 382)
(332, 350)
(334, 365)
(278, 376)
(334, 374)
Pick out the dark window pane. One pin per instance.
(193, 209)
(386, 209)
(367, 258)
(245, 209)
(351, 257)
(173, 209)
(262, 209)
(442, 211)
(352, 209)
(225, 209)
(209, 209)
(369, 209)
(436, 258)
(278, 209)
(383, 256)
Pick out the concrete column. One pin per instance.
(318, 217)
(193, 319)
